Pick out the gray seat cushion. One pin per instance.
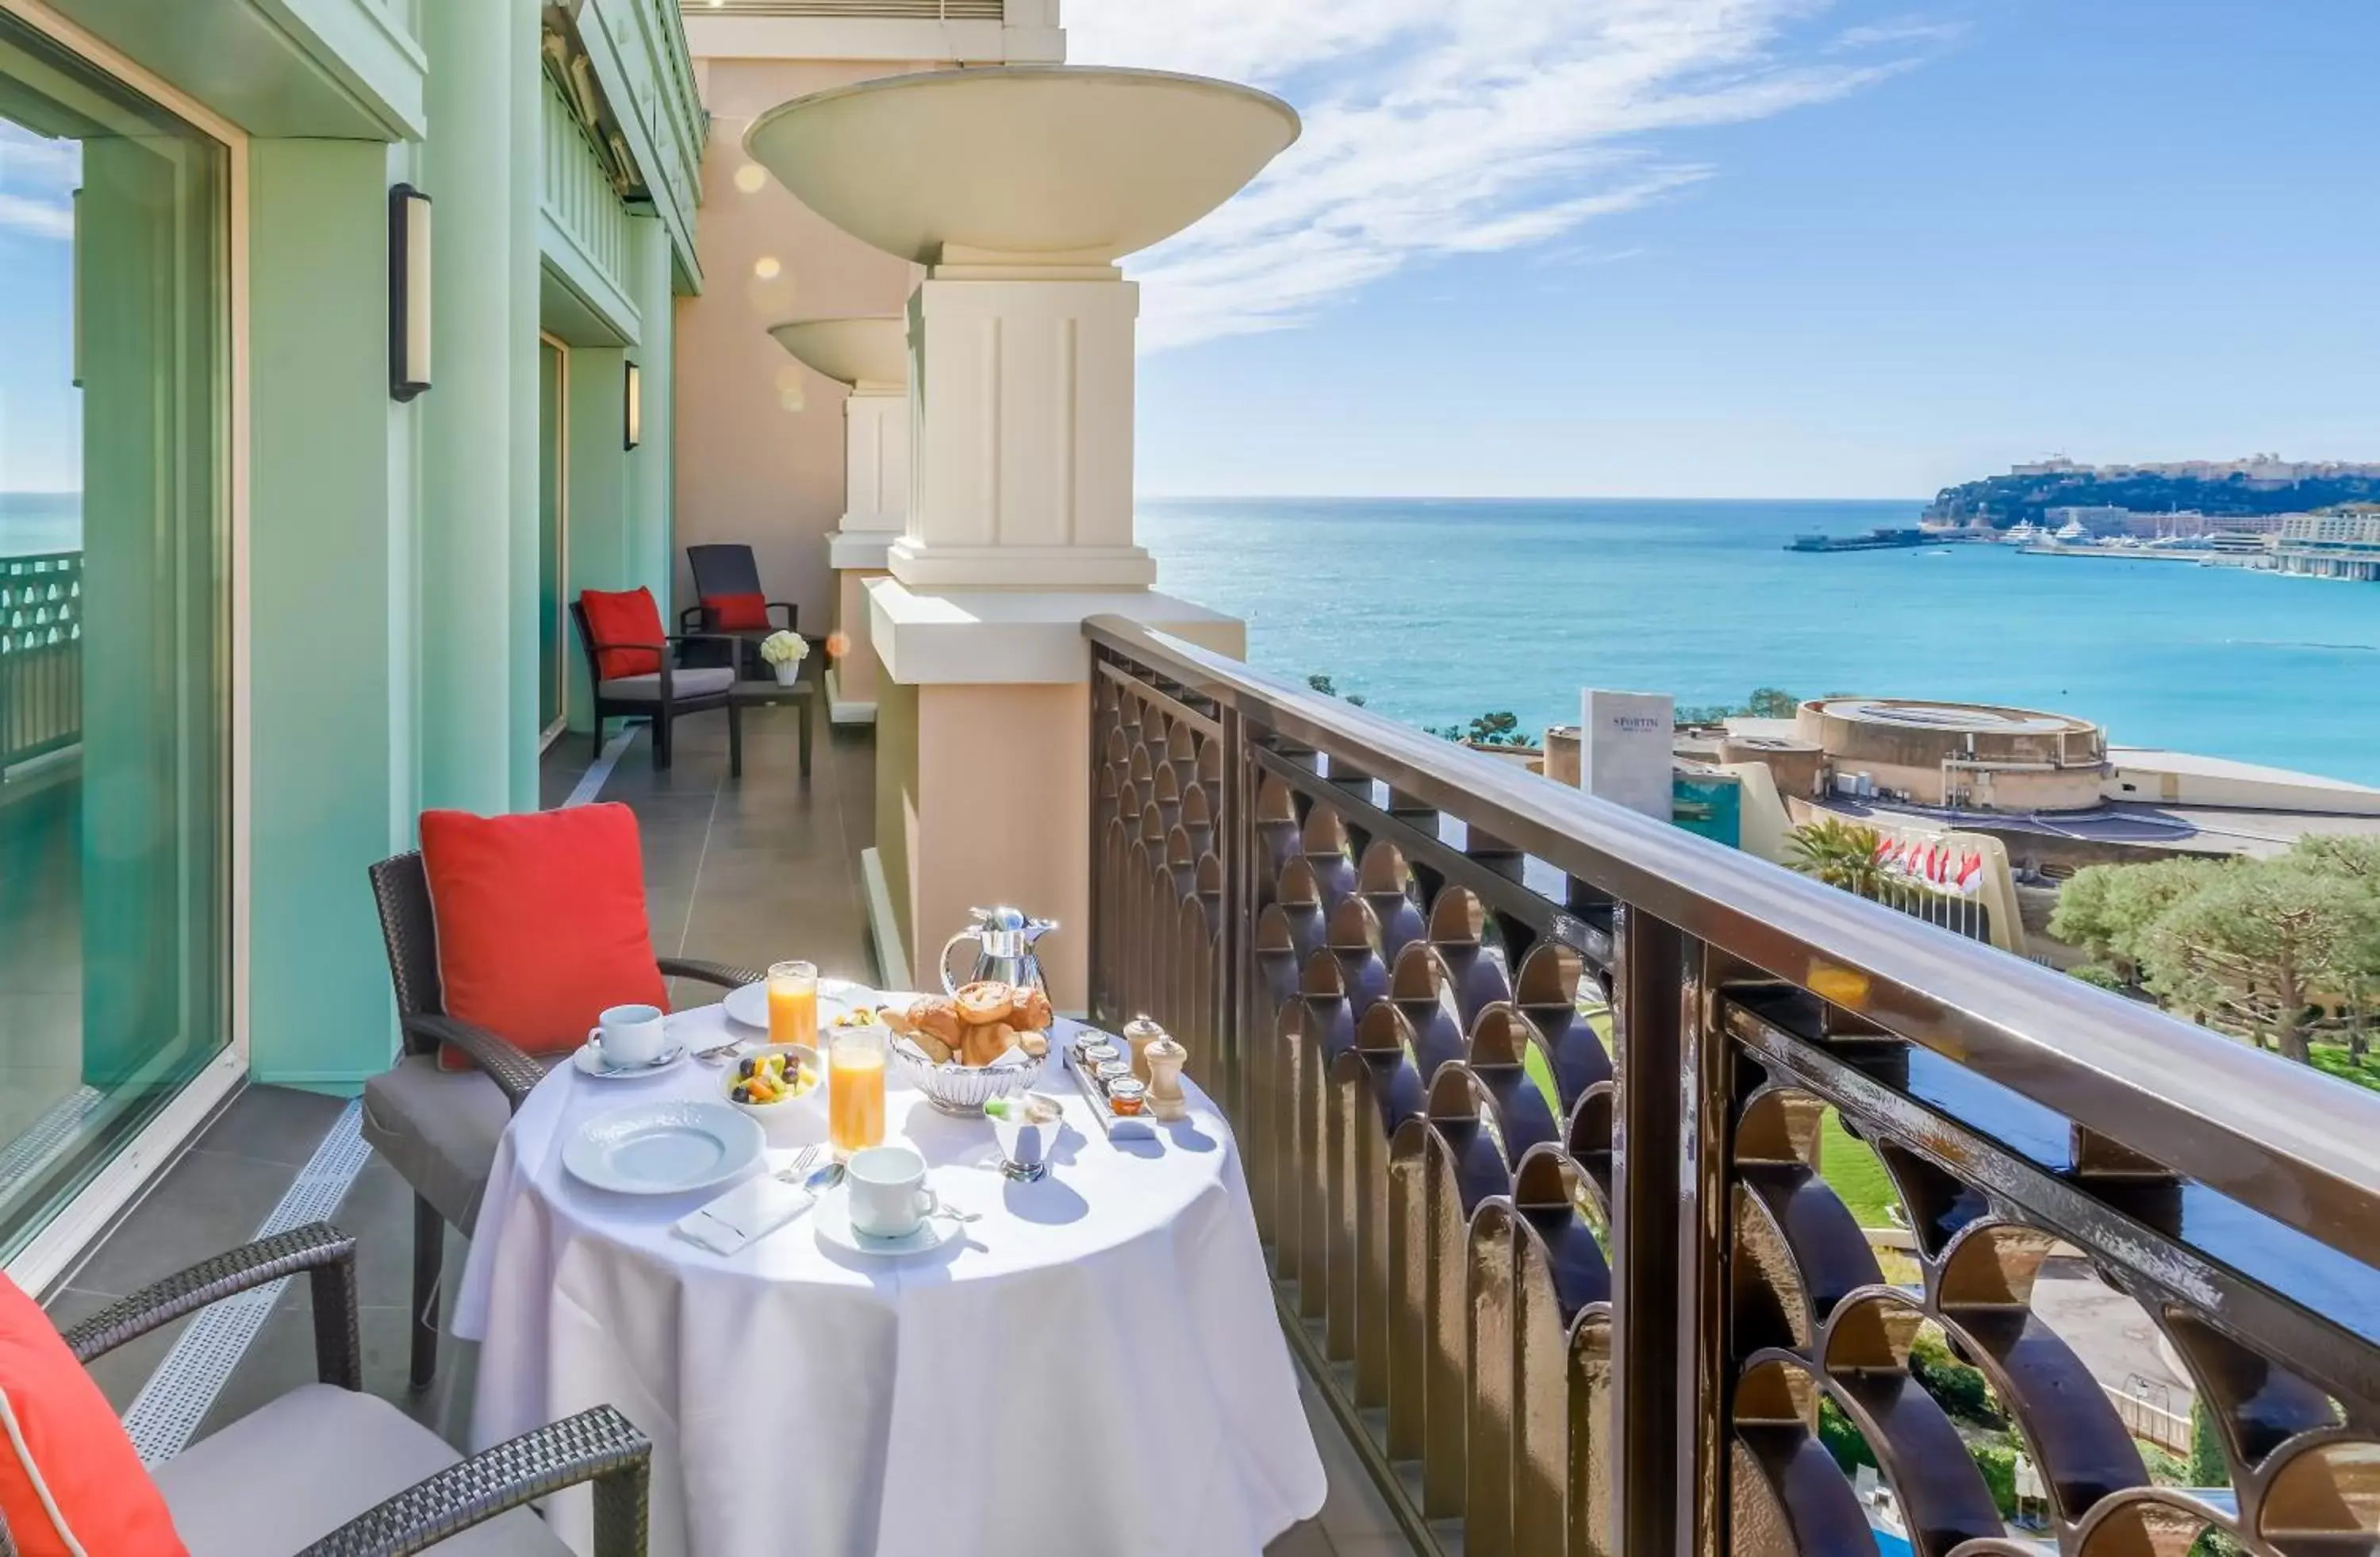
(701, 681)
(438, 1129)
(287, 1475)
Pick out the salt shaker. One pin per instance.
(1166, 1057)
(1138, 1034)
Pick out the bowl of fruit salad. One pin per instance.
(768, 1081)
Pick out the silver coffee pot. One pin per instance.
(1004, 939)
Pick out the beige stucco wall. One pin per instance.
(748, 468)
(982, 792)
(896, 814)
(855, 665)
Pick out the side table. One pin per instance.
(750, 694)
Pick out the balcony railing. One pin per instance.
(40, 655)
(1585, 1297)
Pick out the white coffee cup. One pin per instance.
(632, 1035)
(889, 1197)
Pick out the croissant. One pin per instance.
(1032, 1013)
(937, 1017)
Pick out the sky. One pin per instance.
(1693, 247)
(41, 425)
(1763, 247)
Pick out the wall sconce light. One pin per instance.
(634, 422)
(408, 289)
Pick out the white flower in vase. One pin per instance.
(785, 652)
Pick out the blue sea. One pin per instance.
(1436, 611)
(34, 522)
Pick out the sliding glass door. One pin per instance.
(553, 645)
(114, 569)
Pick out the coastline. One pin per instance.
(1437, 610)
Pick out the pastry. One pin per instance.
(933, 1048)
(988, 1041)
(986, 1002)
(939, 1018)
(1034, 1044)
(1032, 1011)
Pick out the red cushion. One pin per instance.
(57, 1437)
(737, 614)
(540, 921)
(625, 617)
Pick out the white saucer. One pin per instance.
(832, 1214)
(590, 1061)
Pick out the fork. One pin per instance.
(799, 1168)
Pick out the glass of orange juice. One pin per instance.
(855, 1088)
(792, 1004)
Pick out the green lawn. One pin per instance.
(1848, 1164)
(2332, 1059)
(1852, 1169)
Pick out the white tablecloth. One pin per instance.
(1097, 1368)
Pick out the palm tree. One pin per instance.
(1838, 853)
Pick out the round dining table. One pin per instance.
(1096, 1365)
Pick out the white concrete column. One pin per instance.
(1020, 189)
(870, 355)
(876, 466)
(1024, 440)
(876, 460)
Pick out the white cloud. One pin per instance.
(38, 218)
(1451, 126)
(35, 175)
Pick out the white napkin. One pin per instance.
(746, 1214)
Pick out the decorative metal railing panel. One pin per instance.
(1530, 1092)
(41, 654)
(578, 195)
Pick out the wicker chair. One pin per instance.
(665, 695)
(332, 1472)
(439, 1128)
(731, 570)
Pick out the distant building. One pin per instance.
(2263, 470)
(1971, 756)
(2340, 545)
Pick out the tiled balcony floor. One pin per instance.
(740, 872)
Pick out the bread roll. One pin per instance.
(986, 1002)
(988, 1041)
(1032, 1011)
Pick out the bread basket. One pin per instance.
(962, 1091)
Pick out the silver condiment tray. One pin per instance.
(1119, 1126)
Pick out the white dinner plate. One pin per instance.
(748, 1007)
(832, 1214)
(590, 1062)
(664, 1148)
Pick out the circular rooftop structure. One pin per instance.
(1970, 756)
(1958, 718)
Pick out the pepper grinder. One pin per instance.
(1166, 1057)
(1138, 1034)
